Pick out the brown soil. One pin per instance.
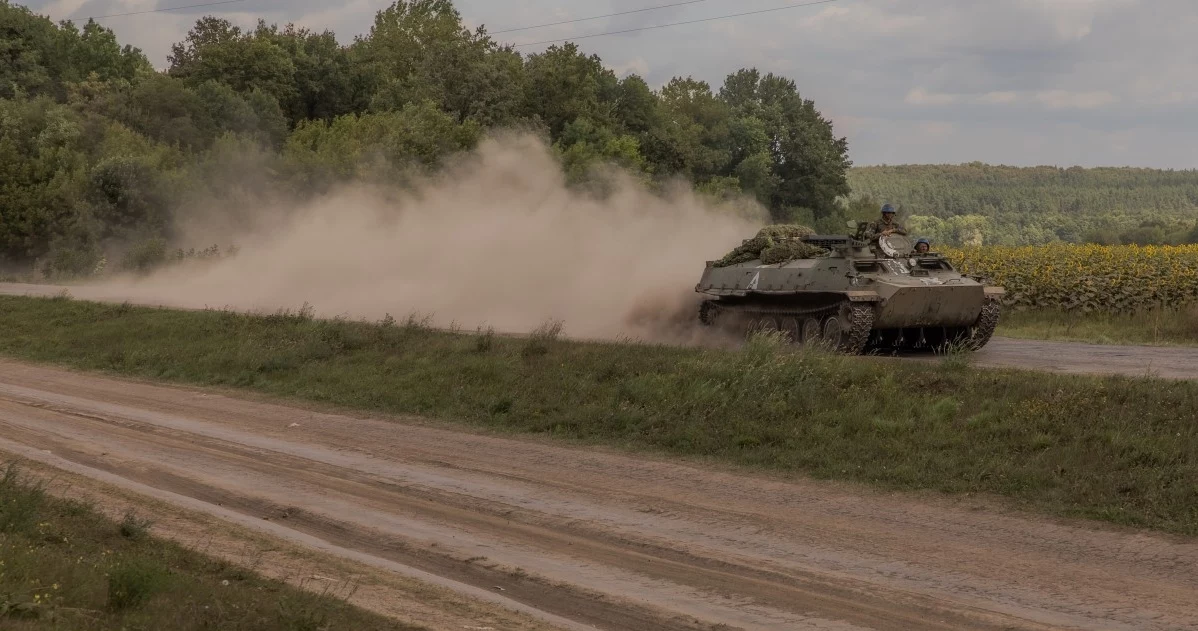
(587, 539)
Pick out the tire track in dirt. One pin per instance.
(606, 541)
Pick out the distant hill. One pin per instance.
(1027, 205)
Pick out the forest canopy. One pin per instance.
(97, 147)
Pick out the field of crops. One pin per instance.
(1088, 278)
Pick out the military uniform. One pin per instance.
(876, 228)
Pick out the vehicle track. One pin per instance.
(1060, 357)
(597, 540)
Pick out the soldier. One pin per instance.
(922, 246)
(886, 226)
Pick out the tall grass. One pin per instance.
(1178, 327)
(1114, 448)
(64, 566)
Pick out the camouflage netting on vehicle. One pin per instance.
(789, 251)
(774, 245)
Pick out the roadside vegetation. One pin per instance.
(1168, 327)
(65, 566)
(1119, 449)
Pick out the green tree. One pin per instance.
(584, 145)
(563, 85)
(126, 195)
(808, 161)
(418, 51)
(41, 58)
(43, 170)
(326, 81)
(378, 146)
(692, 137)
(215, 50)
(637, 109)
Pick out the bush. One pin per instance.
(72, 261)
(132, 583)
(542, 339)
(25, 501)
(134, 527)
(145, 256)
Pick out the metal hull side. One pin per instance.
(742, 280)
(946, 305)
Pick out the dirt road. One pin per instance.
(592, 540)
(1063, 357)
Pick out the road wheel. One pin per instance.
(833, 332)
(762, 324)
(792, 330)
(812, 333)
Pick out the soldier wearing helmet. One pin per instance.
(886, 226)
(922, 246)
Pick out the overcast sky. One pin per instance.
(1089, 82)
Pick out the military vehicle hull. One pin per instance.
(855, 299)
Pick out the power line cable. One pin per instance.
(660, 26)
(599, 17)
(189, 6)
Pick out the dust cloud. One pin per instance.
(496, 239)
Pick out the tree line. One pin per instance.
(977, 203)
(97, 147)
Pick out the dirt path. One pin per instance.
(1062, 357)
(592, 540)
(388, 591)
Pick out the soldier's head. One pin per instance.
(922, 246)
(887, 213)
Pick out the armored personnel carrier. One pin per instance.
(850, 294)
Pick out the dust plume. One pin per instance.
(496, 239)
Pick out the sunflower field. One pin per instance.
(1087, 278)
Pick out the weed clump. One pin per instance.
(22, 502)
(485, 340)
(956, 356)
(1190, 322)
(542, 339)
(133, 527)
(133, 582)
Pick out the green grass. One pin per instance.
(1114, 448)
(63, 566)
(1160, 328)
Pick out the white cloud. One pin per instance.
(938, 128)
(1064, 99)
(1051, 99)
(920, 96)
(1004, 97)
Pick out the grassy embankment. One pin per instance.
(1157, 328)
(64, 566)
(1113, 448)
